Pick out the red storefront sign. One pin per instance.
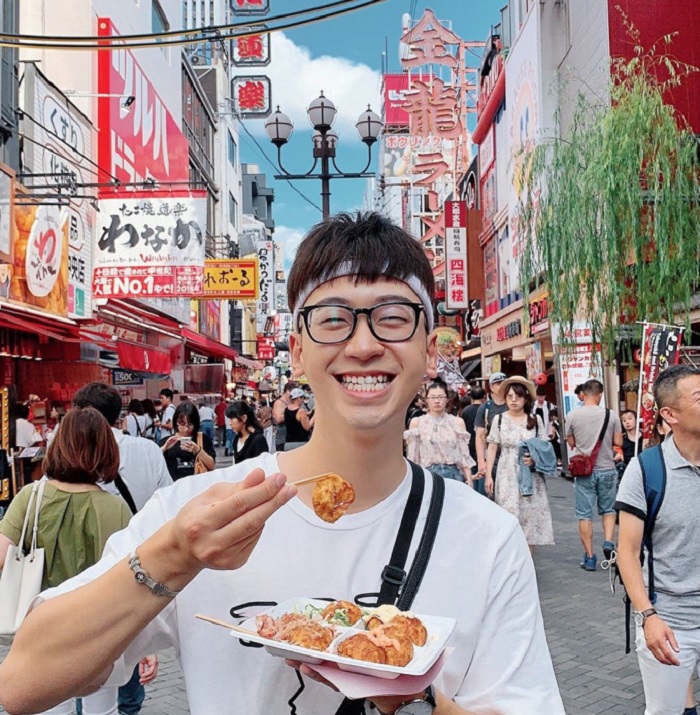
(395, 101)
(266, 349)
(143, 359)
(141, 140)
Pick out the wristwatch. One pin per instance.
(423, 706)
(640, 617)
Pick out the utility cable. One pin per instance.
(103, 46)
(276, 168)
(177, 33)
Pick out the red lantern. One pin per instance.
(637, 356)
(540, 379)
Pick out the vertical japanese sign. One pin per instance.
(577, 364)
(253, 50)
(61, 138)
(252, 95)
(139, 138)
(395, 101)
(7, 201)
(266, 273)
(151, 245)
(456, 292)
(250, 7)
(660, 349)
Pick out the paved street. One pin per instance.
(584, 627)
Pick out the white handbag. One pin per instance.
(22, 574)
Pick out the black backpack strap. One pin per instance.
(126, 494)
(418, 567)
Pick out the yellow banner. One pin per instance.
(232, 279)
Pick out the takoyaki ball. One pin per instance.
(398, 648)
(360, 647)
(409, 627)
(311, 635)
(331, 497)
(343, 613)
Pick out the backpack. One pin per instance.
(653, 466)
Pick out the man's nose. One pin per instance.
(362, 343)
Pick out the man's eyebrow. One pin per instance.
(337, 300)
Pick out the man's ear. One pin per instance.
(667, 414)
(295, 351)
(431, 356)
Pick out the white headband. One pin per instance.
(347, 268)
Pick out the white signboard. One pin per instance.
(150, 245)
(456, 292)
(578, 364)
(265, 303)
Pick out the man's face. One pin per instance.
(496, 388)
(164, 400)
(683, 414)
(540, 399)
(391, 372)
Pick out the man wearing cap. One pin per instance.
(297, 422)
(493, 407)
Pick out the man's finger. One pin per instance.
(671, 636)
(244, 501)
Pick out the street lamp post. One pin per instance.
(322, 114)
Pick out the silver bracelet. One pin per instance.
(142, 577)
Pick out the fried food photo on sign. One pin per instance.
(331, 497)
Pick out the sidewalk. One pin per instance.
(584, 623)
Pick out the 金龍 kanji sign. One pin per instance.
(252, 50)
(428, 41)
(150, 245)
(456, 292)
(252, 95)
(232, 280)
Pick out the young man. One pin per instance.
(668, 630)
(583, 428)
(484, 419)
(542, 407)
(361, 292)
(469, 414)
(168, 410)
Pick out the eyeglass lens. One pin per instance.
(392, 322)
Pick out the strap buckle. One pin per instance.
(393, 575)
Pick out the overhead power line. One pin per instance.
(211, 34)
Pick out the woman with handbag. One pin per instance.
(508, 430)
(188, 451)
(74, 516)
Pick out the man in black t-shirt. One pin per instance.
(469, 416)
(484, 419)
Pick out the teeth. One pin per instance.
(365, 383)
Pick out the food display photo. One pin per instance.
(382, 642)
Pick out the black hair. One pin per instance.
(579, 389)
(104, 398)
(22, 411)
(136, 407)
(376, 248)
(592, 388)
(478, 393)
(666, 385)
(149, 407)
(522, 391)
(167, 392)
(241, 410)
(187, 409)
(437, 385)
(541, 390)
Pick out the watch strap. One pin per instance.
(647, 613)
(141, 576)
(428, 697)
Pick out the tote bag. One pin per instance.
(20, 578)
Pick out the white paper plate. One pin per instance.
(440, 631)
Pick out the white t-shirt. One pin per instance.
(136, 425)
(141, 466)
(25, 433)
(480, 573)
(206, 413)
(167, 416)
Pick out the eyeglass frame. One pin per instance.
(418, 308)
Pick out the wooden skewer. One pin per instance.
(223, 624)
(311, 480)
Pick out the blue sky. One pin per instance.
(343, 57)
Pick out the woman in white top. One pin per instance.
(135, 421)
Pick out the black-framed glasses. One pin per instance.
(388, 322)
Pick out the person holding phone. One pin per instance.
(187, 444)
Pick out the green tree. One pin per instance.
(609, 214)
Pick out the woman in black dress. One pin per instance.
(187, 444)
(248, 436)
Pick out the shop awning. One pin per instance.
(250, 364)
(144, 358)
(206, 345)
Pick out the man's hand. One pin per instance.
(148, 669)
(661, 640)
(219, 528)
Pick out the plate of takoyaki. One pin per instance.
(382, 642)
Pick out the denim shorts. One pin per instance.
(447, 471)
(601, 486)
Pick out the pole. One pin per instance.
(639, 391)
(325, 178)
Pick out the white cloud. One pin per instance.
(297, 78)
(288, 239)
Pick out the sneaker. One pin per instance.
(591, 563)
(608, 548)
(583, 561)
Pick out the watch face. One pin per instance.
(639, 619)
(418, 707)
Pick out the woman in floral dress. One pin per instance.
(508, 430)
(439, 441)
